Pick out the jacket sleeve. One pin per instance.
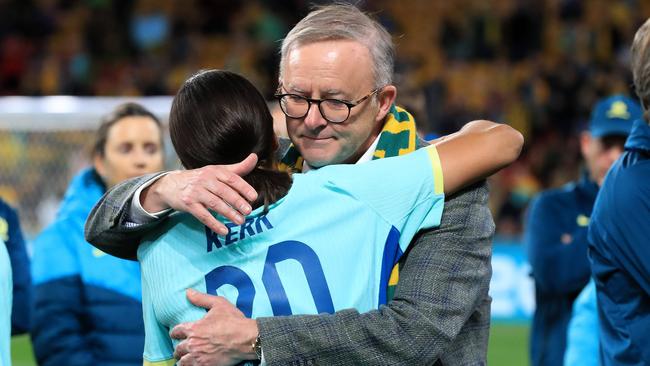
(58, 316)
(440, 309)
(108, 227)
(22, 280)
(570, 270)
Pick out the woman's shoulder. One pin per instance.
(179, 227)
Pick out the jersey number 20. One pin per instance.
(279, 252)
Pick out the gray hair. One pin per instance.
(344, 21)
(640, 53)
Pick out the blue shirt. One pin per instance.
(619, 236)
(329, 244)
(556, 241)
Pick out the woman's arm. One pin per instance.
(478, 150)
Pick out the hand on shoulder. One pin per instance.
(219, 188)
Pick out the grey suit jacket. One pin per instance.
(440, 314)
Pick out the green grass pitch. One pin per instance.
(508, 347)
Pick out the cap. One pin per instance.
(614, 115)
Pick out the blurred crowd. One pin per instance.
(536, 65)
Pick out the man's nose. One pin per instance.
(314, 120)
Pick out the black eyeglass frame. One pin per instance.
(349, 104)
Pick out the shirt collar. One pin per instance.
(367, 156)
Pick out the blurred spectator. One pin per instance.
(87, 305)
(556, 229)
(12, 235)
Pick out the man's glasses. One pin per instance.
(332, 110)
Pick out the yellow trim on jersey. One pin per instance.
(4, 230)
(394, 276)
(438, 182)
(170, 362)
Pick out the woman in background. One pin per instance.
(87, 305)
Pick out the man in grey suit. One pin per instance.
(440, 311)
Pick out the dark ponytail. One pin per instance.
(219, 117)
(271, 185)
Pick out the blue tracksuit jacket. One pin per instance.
(87, 305)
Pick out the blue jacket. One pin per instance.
(22, 281)
(87, 305)
(582, 336)
(556, 240)
(619, 236)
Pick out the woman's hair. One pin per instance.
(121, 111)
(219, 117)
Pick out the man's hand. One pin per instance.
(219, 188)
(223, 337)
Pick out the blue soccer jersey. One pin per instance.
(329, 244)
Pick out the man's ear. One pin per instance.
(386, 98)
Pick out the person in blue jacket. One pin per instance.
(556, 229)
(12, 236)
(619, 234)
(87, 305)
